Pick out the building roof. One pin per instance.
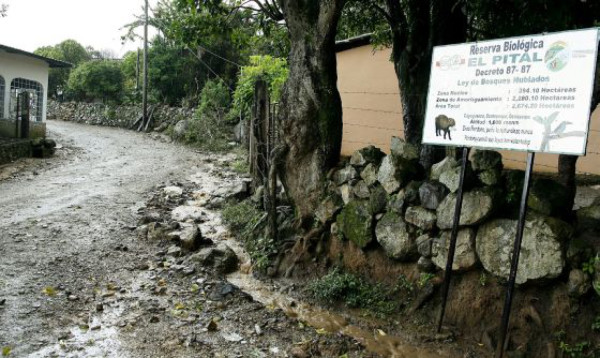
(352, 42)
(51, 62)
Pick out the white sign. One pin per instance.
(529, 93)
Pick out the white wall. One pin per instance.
(15, 66)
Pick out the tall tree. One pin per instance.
(496, 18)
(70, 51)
(311, 104)
(311, 107)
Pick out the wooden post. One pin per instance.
(145, 89)
(23, 115)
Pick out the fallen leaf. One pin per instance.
(179, 306)
(49, 291)
(381, 333)
(6, 351)
(322, 331)
(195, 288)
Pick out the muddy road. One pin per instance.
(76, 281)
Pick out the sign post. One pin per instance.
(529, 93)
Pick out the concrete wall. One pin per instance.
(13, 149)
(14, 66)
(8, 128)
(373, 113)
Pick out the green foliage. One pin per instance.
(215, 99)
(589, 266)
(69, 51)
(355, 292)
(273, 70)
(96, 80)
(596, 324)
(483, 279)
(578, 350)
(424, 279)
(247, 222)
(208, 129)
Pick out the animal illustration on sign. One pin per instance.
(443, 124)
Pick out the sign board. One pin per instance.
(529, 93)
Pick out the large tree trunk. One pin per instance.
(418, 25)
(311, 104)
(567, 164)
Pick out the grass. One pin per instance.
(247, 222)
(355, 292)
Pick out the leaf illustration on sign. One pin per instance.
(556, 133)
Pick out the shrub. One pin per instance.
(273, 70)
(247, 222)
(96, 80)
(355, 292)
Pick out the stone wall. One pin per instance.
(13, 149)
(389, 202)
(122, 116)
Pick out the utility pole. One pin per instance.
(145, 89)
(137, 72)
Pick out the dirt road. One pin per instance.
(76, 281)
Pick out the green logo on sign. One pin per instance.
(557, 56)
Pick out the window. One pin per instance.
(1, 97)
(19, 85)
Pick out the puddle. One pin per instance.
(99, 338)
(375, 342)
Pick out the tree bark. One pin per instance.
(311, 104)
(567, 164)
(417, 26)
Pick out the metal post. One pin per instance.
(145, 89)
(453, 236)
(515, 257)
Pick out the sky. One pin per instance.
(30, 24)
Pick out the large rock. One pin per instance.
(485, 160)
(396, 172)
(220, 258)
(396, 203)
(424, 244)
(451, 177)
(431, 194)
(548, 197)
(420, 217)
(369, 174)
(188, 213)
(329, 208)
(361, 190)
(438, 168)
(393, 236)
(490, 177)
(465, 257)
(477, 206)
(588, 219)
(180, 129)
(355, 222)
(541, 256)
(399, 148)
(189, 237)
(378, 199)
(345, 175)
(346, 193)
(579, 283)
(173, 191)
(366, 155)
(411, 193)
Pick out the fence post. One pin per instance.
(23, 111)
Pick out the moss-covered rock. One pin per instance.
(548, 197)
(355, 222)
(367, 155)
(378, 199)
(486, 160)
(392, 234)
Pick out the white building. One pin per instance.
(24, 71)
